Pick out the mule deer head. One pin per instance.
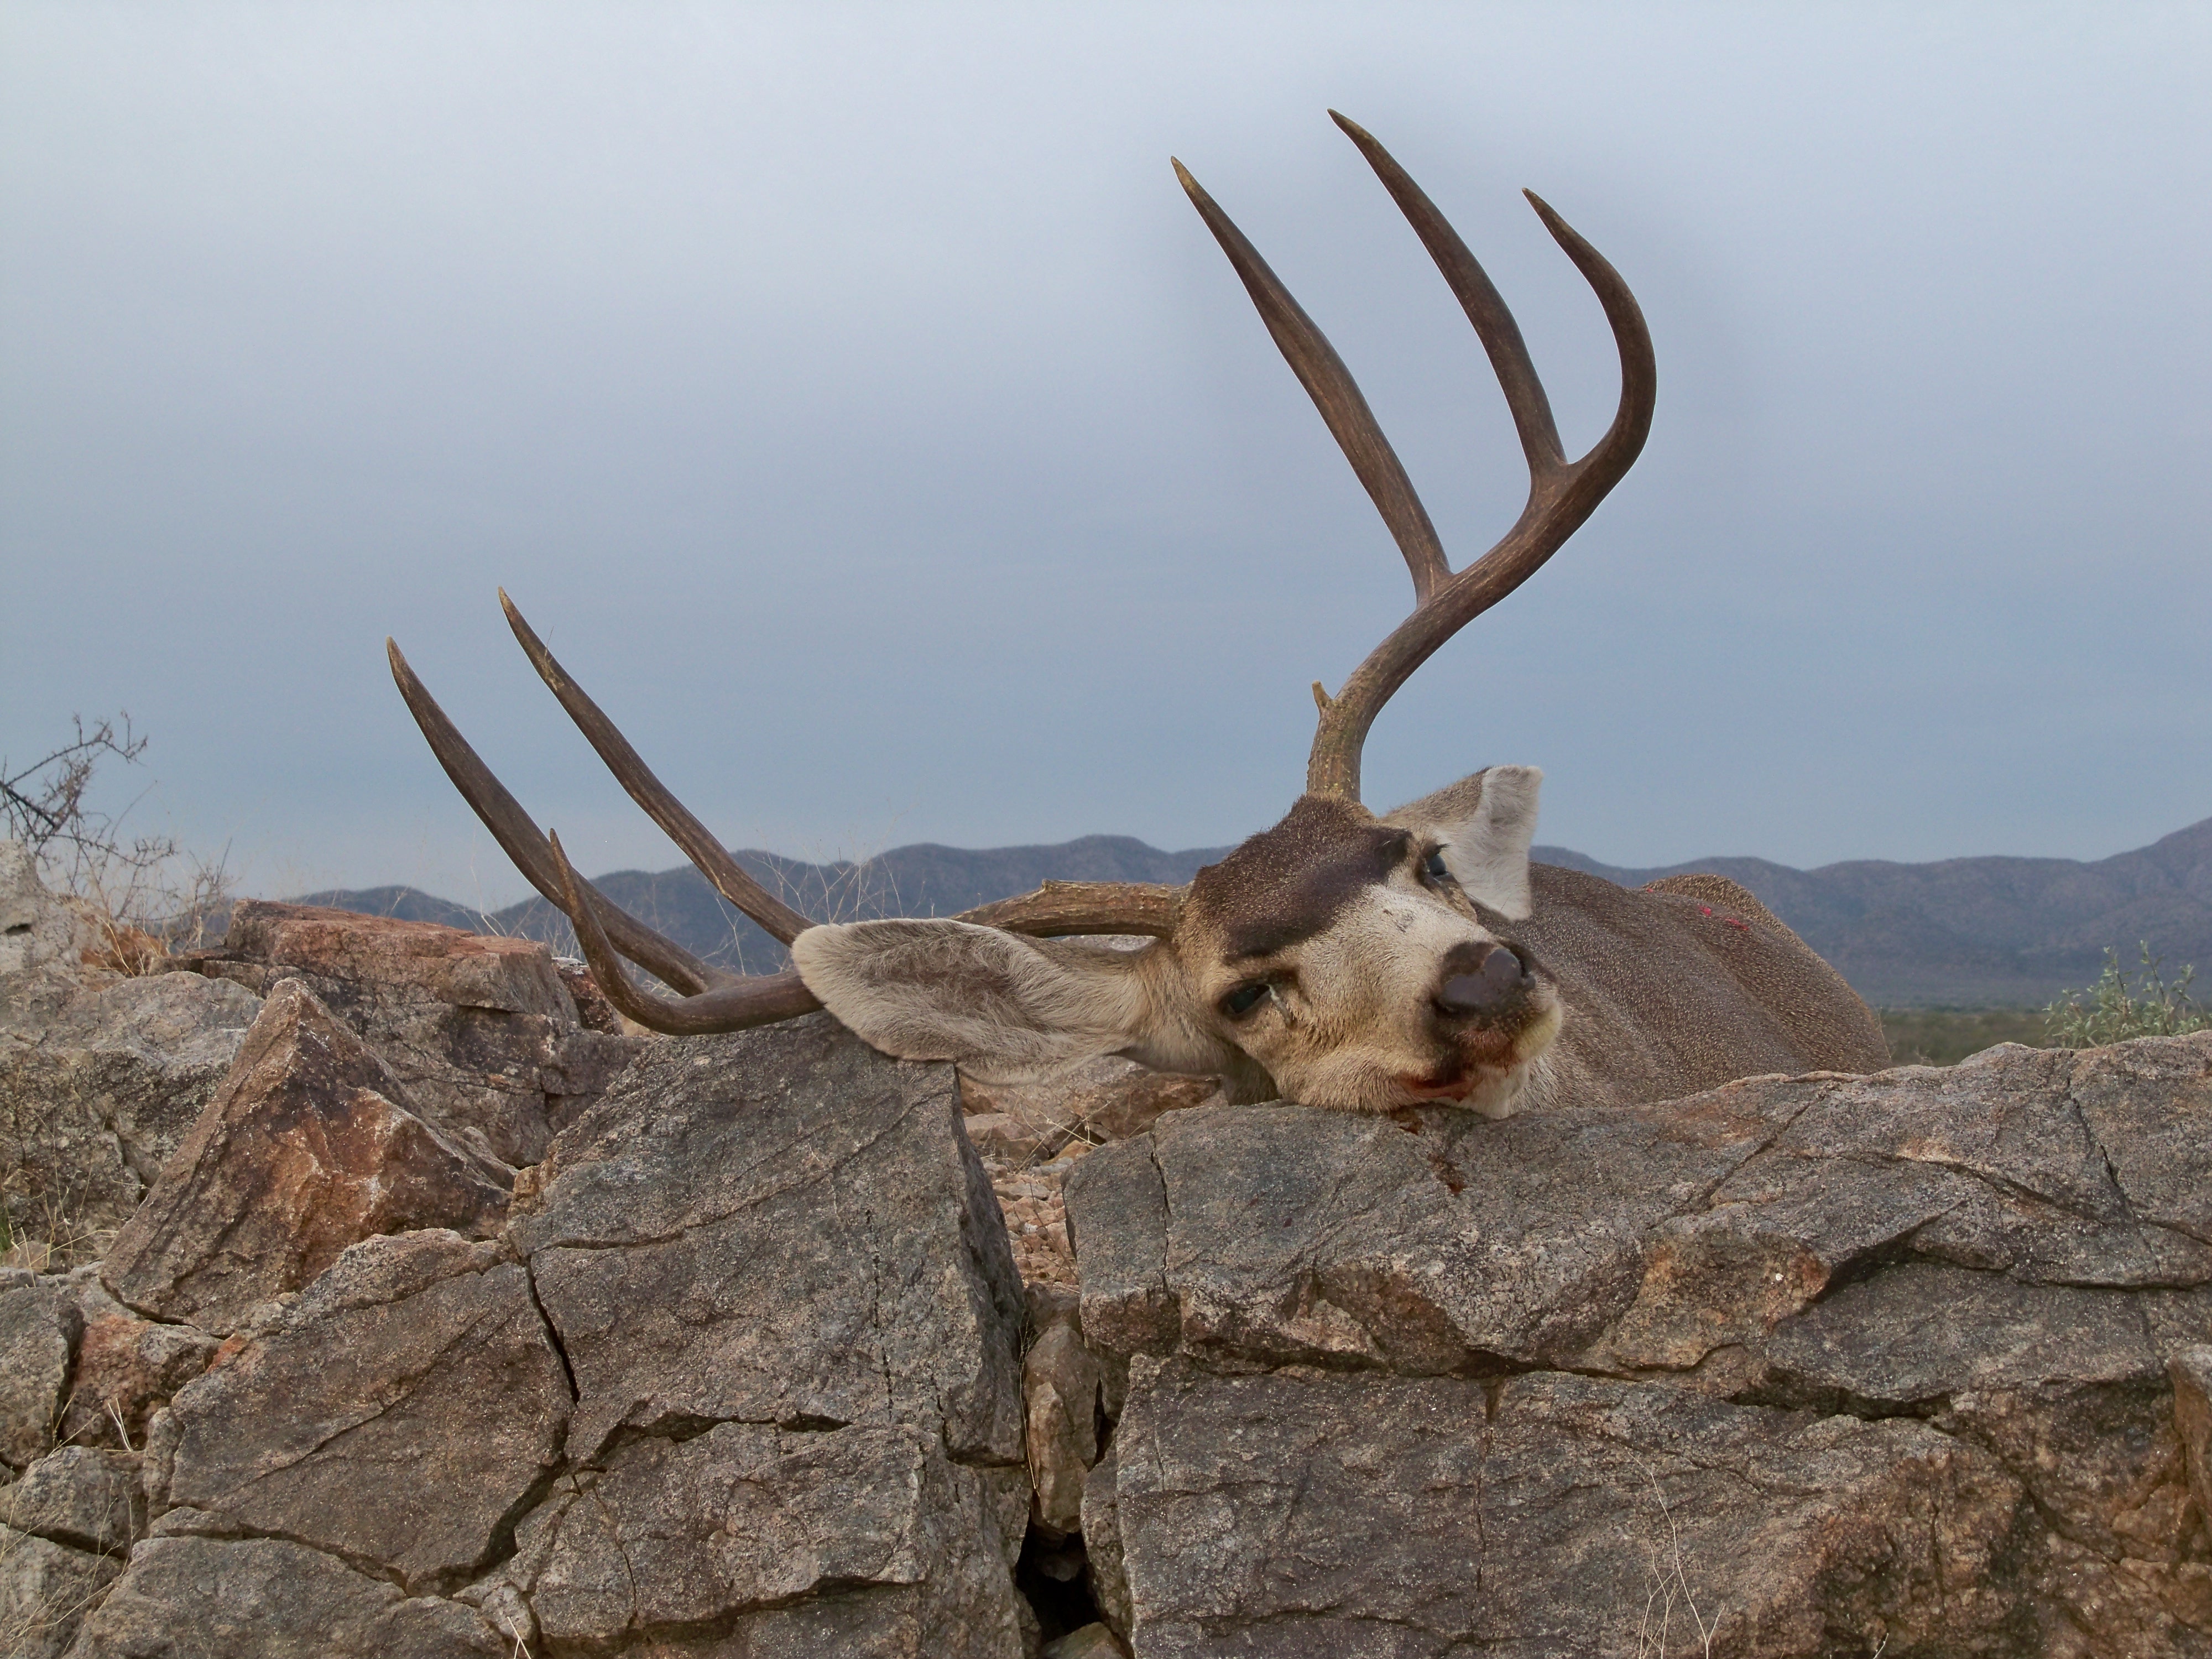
(1339, 959)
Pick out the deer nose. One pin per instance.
(1479, 980)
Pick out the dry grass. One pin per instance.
(38, 1232)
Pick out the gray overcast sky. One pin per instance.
(852, 399)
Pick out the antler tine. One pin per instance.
(1335, 393)
(707, 855)
(1562, 494)
(760, 1000)
(1479, 297)
(518, 837)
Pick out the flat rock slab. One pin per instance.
(265, 1598)
(1657, 1238)
(401, 1412)
(100, 1083)
(307, 1148)
(757, 1534)
(778, 1227)
(1302, 1513)
(481, 1031)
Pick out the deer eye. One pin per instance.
(1244, 999)
(1436, 869)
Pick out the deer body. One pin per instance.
(1340, 958)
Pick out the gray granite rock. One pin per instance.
(100, 1079)
(777, 1227)
(757, 1532)
(401, 1412)
(45, 1590)
(2008, 1254)
(39, 1329)
(267, 1598)
(1299, 1512)
(87, 1497)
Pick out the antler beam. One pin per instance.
(1562, 494)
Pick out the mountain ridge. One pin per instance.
(1993, 931)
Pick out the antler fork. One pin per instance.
(1562, 494)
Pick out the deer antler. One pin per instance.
(1562, 494)
(713, 999)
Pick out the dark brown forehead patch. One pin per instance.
(1287, 884)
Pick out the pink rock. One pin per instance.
(307, 1147)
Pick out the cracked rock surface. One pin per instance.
(399, 1413)
(778, 1227)
(2004, 1258)
(100, 1079)
(743, 1376)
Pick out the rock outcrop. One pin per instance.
(742, 1375)
(482, 1033)
(745, 1361)
(308, 1147)
(1835, 1359)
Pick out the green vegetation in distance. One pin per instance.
(1944, 1036)
(2119, 1005)
(2113, 1009)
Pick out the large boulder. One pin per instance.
(2002, 1258)
(307, 1148)
(482, 1033)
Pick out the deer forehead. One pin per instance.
(1327, 869)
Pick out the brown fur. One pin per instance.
(1684, 986)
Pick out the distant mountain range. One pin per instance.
(1960, 932)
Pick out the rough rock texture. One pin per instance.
(792, 1427)
(2008, 1252)
(266, 1598)
(37, 929)
(481, 1032)
(87, 1499)
(1546, 1514)
(39, 1330)
(773, 1540)
(127, 1369)
(307, 1148)
(101, 1078)
(402, 1411)
(45, 1589)
(779, 1227)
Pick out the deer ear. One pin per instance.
(1486, 824)
(1002, 1006)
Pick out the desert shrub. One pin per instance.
(2123, 1004)
(145, 893)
